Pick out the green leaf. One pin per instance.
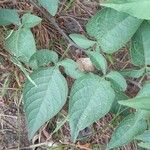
(145, 137)
(90, 99)
(140, 43)
(43, 57)
(144, 145)
(112, 29)
(117, 80)
(21, 44)
(136, 8)
(133, 73)
(44, 101)
(82, 41)
(9, 16)
(116, 108)
(98, 60)
(71, 68)
(50, 5)
(127, 130)
(29, 20)
(137, 103)
(144, 92)
(141, 101)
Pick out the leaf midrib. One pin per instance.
(42, 103)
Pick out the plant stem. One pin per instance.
(66, 51)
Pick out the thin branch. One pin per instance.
(52, 20)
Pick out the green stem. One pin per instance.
(60, 125)
(66, 51)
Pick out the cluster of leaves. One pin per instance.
(92, 96)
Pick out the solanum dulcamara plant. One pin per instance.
(92, 95)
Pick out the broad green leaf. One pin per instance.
(21, 44)
(117, 80)
(137, 103)
(50, 5)
(136, 8)
(144, 145)
(116, 108)
(43, 57)
(29, 20)
(141, 101)
(44, 101)
(82, 41)
(133, 73)
(145, 137)
(127, 130)
(144, 93)
(71, 68)
(9, 16)
(98, 60)
(90, 99)
(140, 43)
(112, 29)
